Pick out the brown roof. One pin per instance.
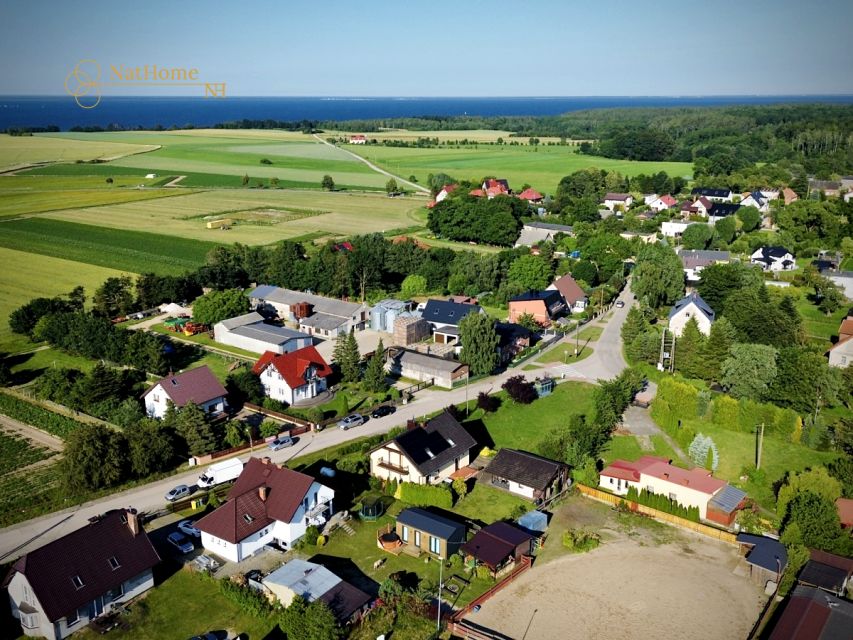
(569, 289)
(789, 195)
(845, 511)
(846, 328)
(616, 196)
(245, 512)
(495, 543)
(525, 468)
(197, 385)
(812, 614)
(344, 600)
(86, 553)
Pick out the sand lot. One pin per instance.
(631, 590)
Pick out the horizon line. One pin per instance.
(463, 97)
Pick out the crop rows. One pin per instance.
(21, 410)
(16, 453)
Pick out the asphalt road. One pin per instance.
(606, 362)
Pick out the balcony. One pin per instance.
(383, 464)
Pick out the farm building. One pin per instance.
(409, 328)
(316, 315)
(384, 314)
(197, 386)
(252, 333)
(526, 474)
(423, 368)
(535, 232)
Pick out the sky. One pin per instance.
(440, 48)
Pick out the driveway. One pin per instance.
(367, 341)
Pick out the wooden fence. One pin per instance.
(698, 527)
(525, 563)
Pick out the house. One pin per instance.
(312, 581)
(422, 367)
(773, 259)
(295, 377)
(496, 187)
(648, 198)
(545, 306)
(720, 210)
(197, 386)
(358, 138)
(829, 188)
(698, 207)
(757, 200)
(446, 190)
(252, 333)
(617, 201)
(718, 195)
(715, 499)
(531, 195)
(424, 532)
(826, 571)
(59, 588)
(671, 229)
(266, 504)
(811, 614)
(662, 203)
(845, 329)
(444, 317)
(764, 557)
(691, 306)
(789, 195)
(385, 312)
(845, 512)
(462, 299)
(425, 454)
(533, 233)
(316, 315)
(694, 260)
(513, 339)
(526, 474)
(573, 295)
(498, 546)
(841, 353)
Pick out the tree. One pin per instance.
(721, 280)
(350, 359)
(817, 481)
(804, 380)
(488, 403)
(831, 298)
(818, 522)
(391, 186)
(328, 183)
(528, 321)
(725, 229)
(479, 343)
(703, 452)
(690, 349)
(750, 218)
(151, 447)
(697, 236)
(366, 262)
(659, 276)
(635, 323)
(413, 286)
(95, 457)
(520, 390)
(374, 373)
(114, 297)
(235, 434)
(460, 487)
(749, 370)
(717, 347)
(286, 265)
(529, 272)
(193, 427)
(245, 179)
(309, 621)
(244, 386)
(216, 306)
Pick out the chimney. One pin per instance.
(265, 460)
(666, 476)
(411, 424)
(263, 492)
(132, 522)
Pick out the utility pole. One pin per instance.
(438, 615)
(467, 378)
(759, 434)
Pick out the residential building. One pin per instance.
(446, 190)
(422, 531)
(444, 317)
(424, 454)
(267, 504)
(717, 195)
(443, 372)
(316, 315)
(295, 378)
(410, 328)
(496, 187)
(531, 195)
(526, 474)
(691, 306)
(533, 233)
(648, 198)
(841, 353)
(574, 297)
(662, 203)
(385, 312)
(312, 581)
(358, 138)
(197, 386)
(830, 188)
(756, 200)
(811, 614)
(845, 512)
(512, 340)
(720, 210)
(769, 193)
(827, 571)
(672, 229)
(252, 333)
(765, 558)
(545, 306)
(617, 201)
(773, 259)
(498, 546)
(699, 207)
(61, 587)
(694, 260)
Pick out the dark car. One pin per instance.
(384, 410)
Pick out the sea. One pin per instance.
(149, 111)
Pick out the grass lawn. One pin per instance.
(591, 333)
(188, 604)
(489, 504)
(628, 448)
(30, 365)
(523, 426)
(205, 340)
(558, 354)
(819, 326)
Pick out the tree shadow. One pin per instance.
(477, 429)
(348, 571)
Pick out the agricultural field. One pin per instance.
(540, 166)
(472, 135)
(17, 453)
(29, 276)
(18, 151)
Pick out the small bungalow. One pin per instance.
(694, 260)
(545, 306)
(442, 372)
(535, 232)
(827, 571)
(196, 386)
(421, 531)
(773, 259)
(617, 201)
(766, 558)
(295, 378)
(526, 474)
(570, 290)
(531, 195)
(498, 546)
(691, 306)
(662, 203)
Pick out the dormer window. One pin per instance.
(78, 582)
(429, 453)
(114, 563)
(247, 518)
(451, 443)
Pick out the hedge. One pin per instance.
(663, 503)
(425, 495)
(745, 415)
(674, 401)
(39, 417)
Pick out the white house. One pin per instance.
(59, 588)
(662, 203)
(648, 198)
(841, 353)
(717, 195)
(197, 386)
(446, 190)
(358, 138)
(294, 377)
(252, 333)
(268, 503)
(757, 200)
(774, 259)
(672, 229)
(614, 201)
(691, 306)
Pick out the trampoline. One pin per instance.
(371, 508)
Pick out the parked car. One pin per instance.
(187, 528)
(210, 635)
(181, 491)
(620, 304)
(281, 443)
(353, 420)
(384, 410)
(180, 542)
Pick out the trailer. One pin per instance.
(220, 472)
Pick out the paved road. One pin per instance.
(606, 362)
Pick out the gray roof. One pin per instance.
(323, 321)
(320, 304)
(392, 304)
(305, 578)
(764, 551)
(704, 254)
(447, 312)
(560, 228)
(425, 363)
(728, 499)
(525, 468)
(698, 301)
(269, 333)
(240, 321)
(433, 524)
(439, 442)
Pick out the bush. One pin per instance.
(352, 464)
(248, 600)
(312, 534)
(321, 541)
(270, 428)
(580, 540)
(424, 495)
(488, 403)
(456, 562)
(663, 503)
(483, 572)
(520, 390)
(460, 487)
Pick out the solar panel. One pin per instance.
(728, 499)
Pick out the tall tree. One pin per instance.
(723, 336)
(529, 272)
(286, 265)
(328, 183)
(749, 370)
(196, 431)
(479, 343)
(659, 276)
(374, 373)
(114, 297)
(689, 351)
(94, 457)
(216, 306)
(350, 359)
(151, 447)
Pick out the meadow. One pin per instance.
(18, 151)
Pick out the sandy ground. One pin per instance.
(629, 590)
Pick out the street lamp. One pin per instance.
(251, 440)
(438, 615)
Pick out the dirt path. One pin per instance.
(36, 436)
(174, 183)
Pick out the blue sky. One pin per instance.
(442, 48)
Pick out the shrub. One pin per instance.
(252, 602)
(270, 428)
(580, 540)
(312, 534)
(424, 495)
(487, 403)
(724, 411)
(456, 562)
(520, 390)
(460, 487)
(352, 464)
(483, 572)
(321, 541)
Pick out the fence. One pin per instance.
(698, 527)
(286, 417)
(525, 563)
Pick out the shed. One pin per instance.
(535, 522)
(498, 546)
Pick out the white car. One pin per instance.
(620, 304)
(351, 421)
(187, 527)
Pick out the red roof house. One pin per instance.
(295, 377)
(531, 195)
(845, 512)
(197, 386)
(477, 193)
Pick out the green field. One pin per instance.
(21, 150)
(541, 166)
(134, 251)
(27, 276)
(16, 453)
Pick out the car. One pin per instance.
(181, 491)
(620, 304)
(350, 421)
(384, 410)
(187, 528)
(180, 542)
(210, 635)
(280, 443)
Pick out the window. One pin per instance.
(156, 397)
(611, 480)
(405, 532)
(417, 539)
(247, 518)
(78, 582)
(114, 563)
(29, 620)
(434, 545)
(72, 618)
